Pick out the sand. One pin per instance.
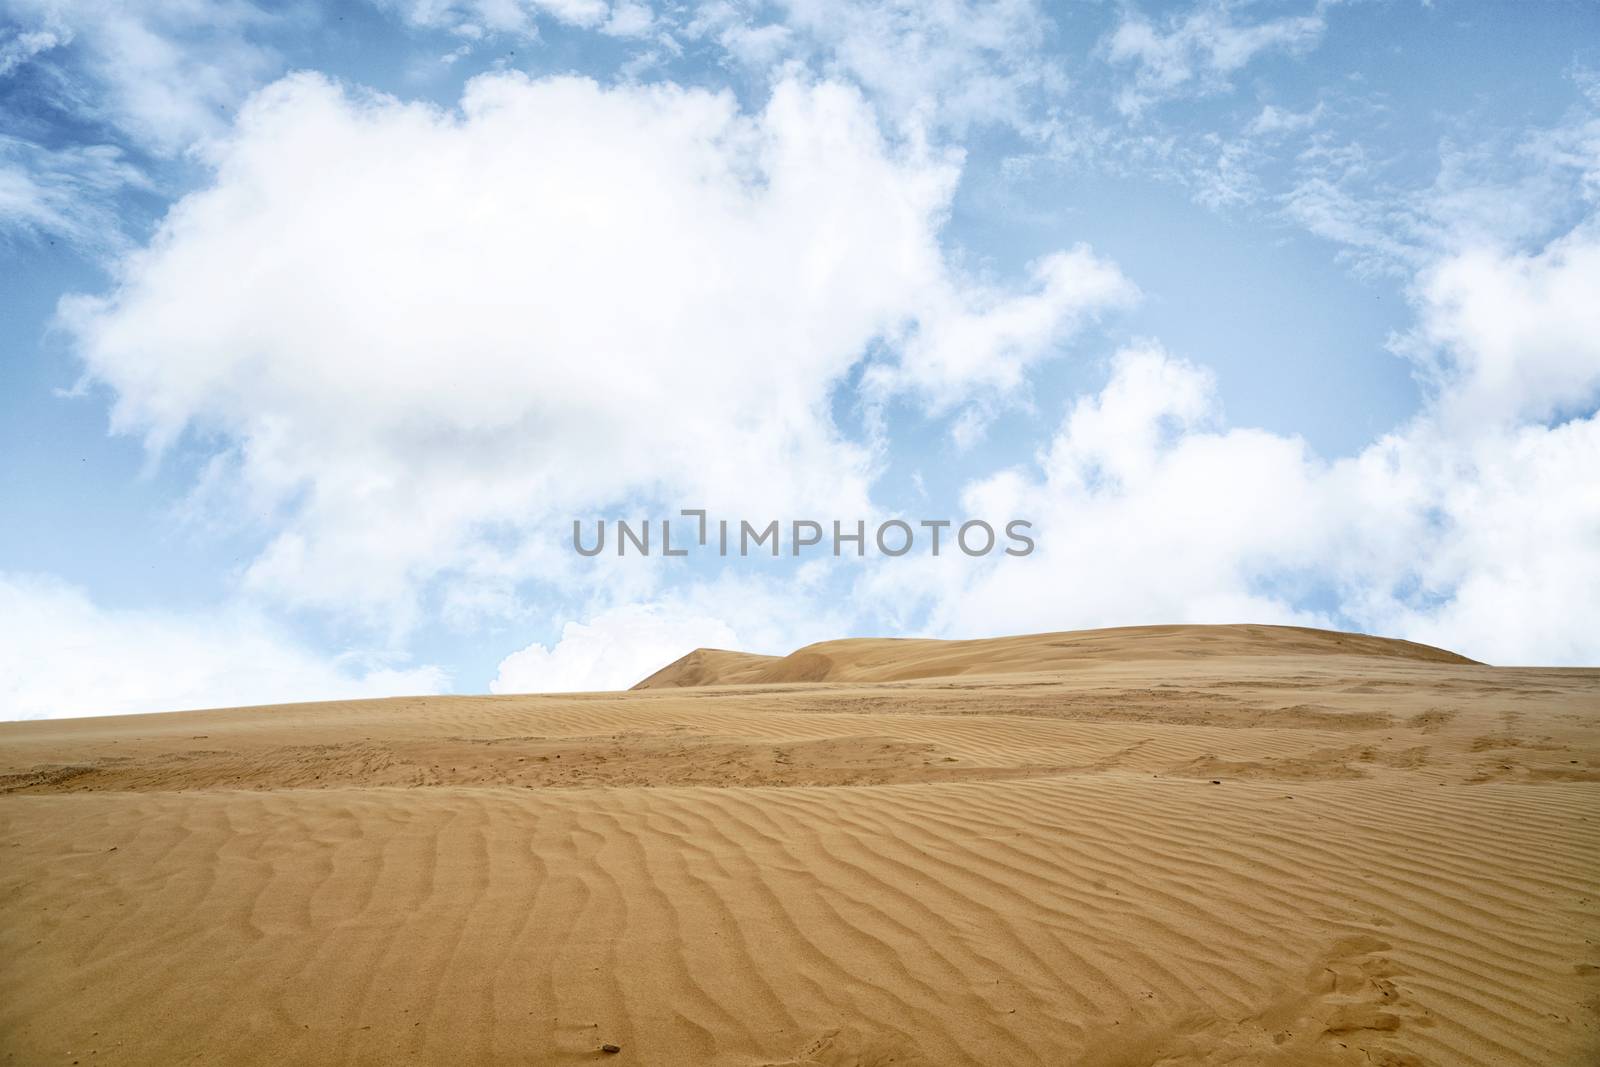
(1166, 845)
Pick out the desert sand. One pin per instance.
(1162, 845)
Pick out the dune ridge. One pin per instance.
(907, 659)
(1136, 848)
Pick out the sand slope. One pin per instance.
(1014, 854)
(904, 659)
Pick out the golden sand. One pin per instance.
(1162, 845)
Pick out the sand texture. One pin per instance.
(1164, 845)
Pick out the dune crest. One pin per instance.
(866, 659)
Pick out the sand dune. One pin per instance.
(904, 659)
(1168, 845)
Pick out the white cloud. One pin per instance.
(1274, 121)
(1509, 336)
(427, 339)
(1145, 509)
(62, 655)
(150, 77)
(1493, 191)
(1488, 545)
(632, 635)
(613, 650)
(475, 18)
(982, 341)
(1195, 52)
(1469, 527)
(1475, 526)
(946, 64)
(64, 191)
(1376, 234)
(628, 19)
(166, 72)
(23, 45)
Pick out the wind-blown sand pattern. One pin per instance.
(1169, 845)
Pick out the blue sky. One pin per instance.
(322, 323)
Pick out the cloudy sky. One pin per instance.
(322, 322)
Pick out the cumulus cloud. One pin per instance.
(427, 339)
(1147, 509)
(63, 655)
(1507, 336)
(1195, 52)
(1474, 526)
(1489, 545)
(418, 341)
(982, 341)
